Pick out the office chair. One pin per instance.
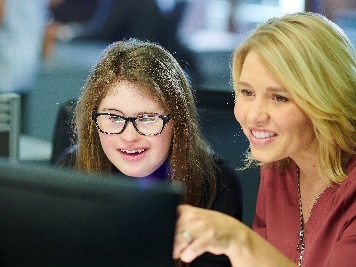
(63, 132)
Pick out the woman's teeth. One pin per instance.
(261, 135)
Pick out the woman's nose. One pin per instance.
(258, 112)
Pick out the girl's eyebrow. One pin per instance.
(119, 111)
(112, 110)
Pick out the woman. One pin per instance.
(136, 115)
(295, 80)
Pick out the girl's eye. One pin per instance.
(116, 119)
(280, 98)
(147, 119)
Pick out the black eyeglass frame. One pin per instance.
(95, 115)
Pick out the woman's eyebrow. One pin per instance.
(244, 83)
(270, 88)
(276, 89)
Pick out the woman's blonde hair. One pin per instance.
(316, 63)
(161, 78)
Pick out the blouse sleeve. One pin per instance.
(344, 251)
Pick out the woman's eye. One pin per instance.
(280, 98)
(246, 92)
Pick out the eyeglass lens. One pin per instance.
(149, 124)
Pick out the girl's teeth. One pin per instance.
(132, 151)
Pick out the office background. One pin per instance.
(208, 31)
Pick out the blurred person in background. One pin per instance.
(22, 29)
(109, 21)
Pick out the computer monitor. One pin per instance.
(57, 217)
(10, 116)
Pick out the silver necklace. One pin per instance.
(301, 243)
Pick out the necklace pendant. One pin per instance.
(301, 234)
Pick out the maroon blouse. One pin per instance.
(330, 233)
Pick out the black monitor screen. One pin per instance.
(57, 217)
(4, 144)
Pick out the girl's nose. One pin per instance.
(130, 134)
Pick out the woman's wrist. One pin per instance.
(246, 246)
